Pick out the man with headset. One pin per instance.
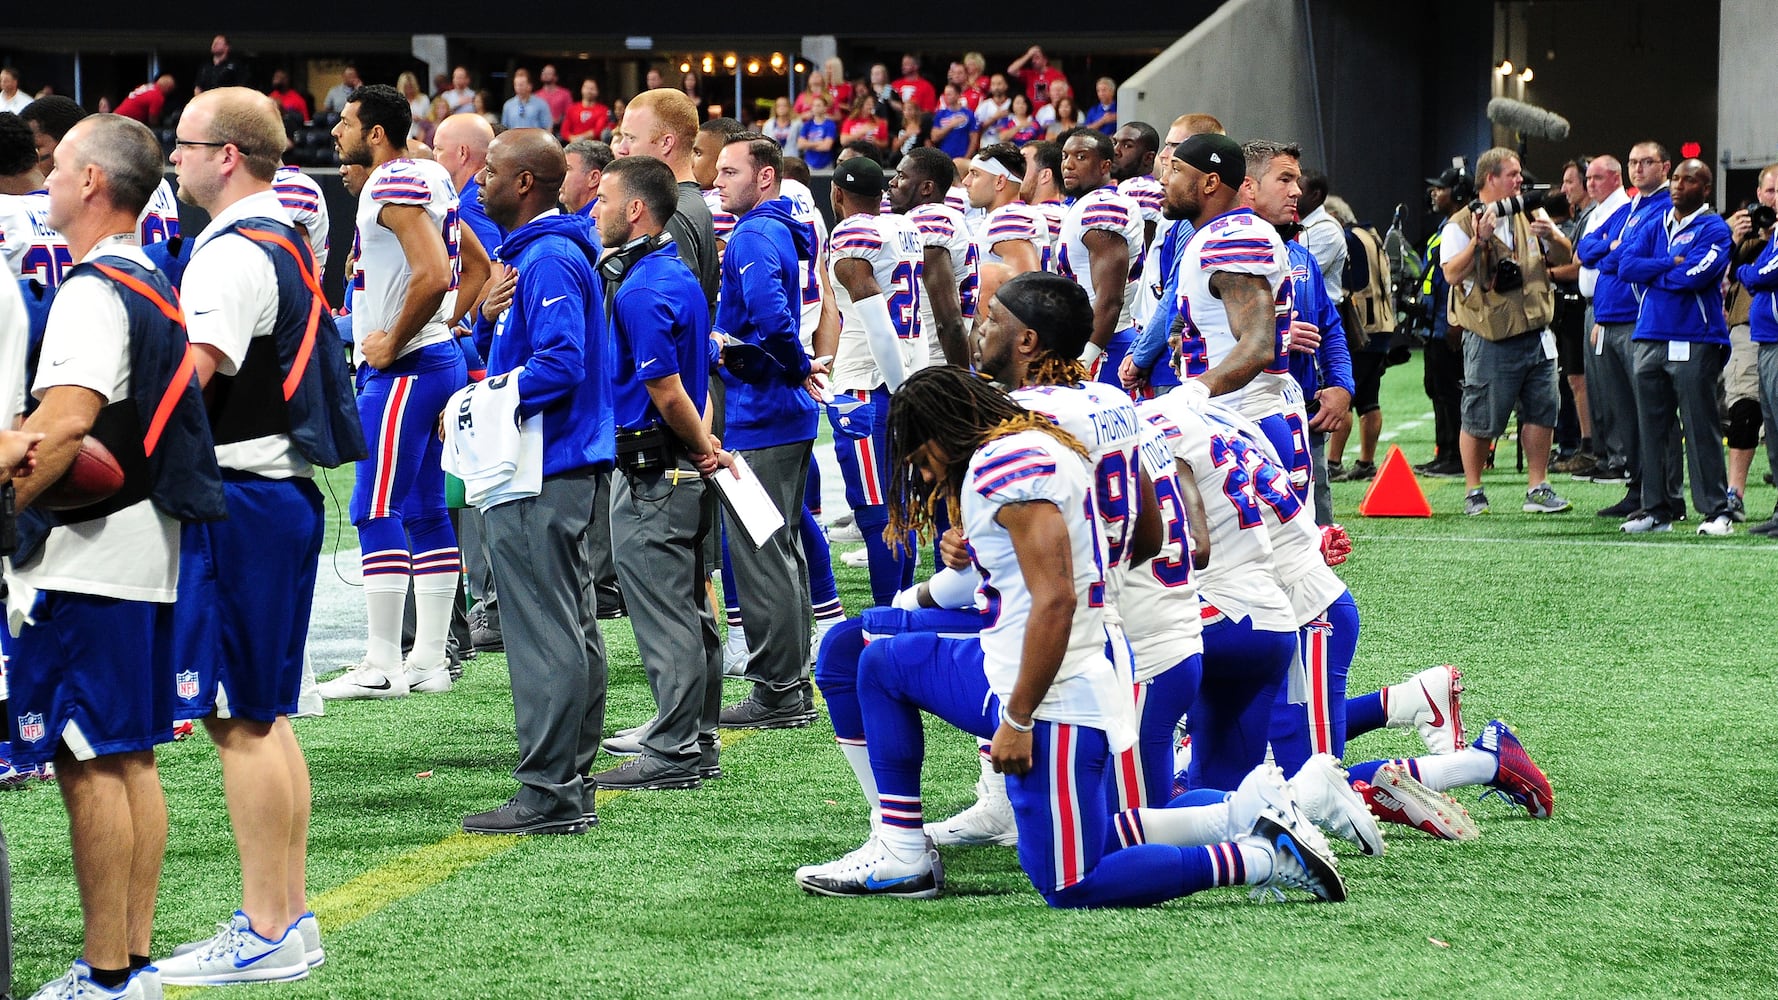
(660, 509)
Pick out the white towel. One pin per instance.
(498, 456)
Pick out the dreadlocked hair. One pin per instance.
(1051, 368)
(959, 412)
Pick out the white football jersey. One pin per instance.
(1159, 599)
(804, 211)
(723, 221)
(159, 220)
(1102, 208)
(1241, 243)
(1236, 480)
(1103, 419)
(1053, 213)
(1146, 192)
(891, 246)
(1147, 295)
(1012, 222)
(32, 249)
(1022, 468)
(944, 226)
(301, 197)
(380, 285)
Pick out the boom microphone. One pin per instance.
(1529, 120)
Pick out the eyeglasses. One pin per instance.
(210, 145)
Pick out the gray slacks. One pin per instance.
(1611, 388)
(660, 519)
(477, 567)
(1318, 469)
(1768, 392)
(541, 553)
(773, 582)
(1684, 392)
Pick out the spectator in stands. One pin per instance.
(461, 95)
(995, 102)
(817, 88)
(554, 96)
(1019, 126)
(587, 160)
(1063, 117)
(839, 92)
(11, 97)
(692, 85)
(784, 126)
(818, 137)
(524, 109)
(587, 119)
(915, 91)
(953, 126)
(865, 122)
(148, 102)
(340, 93)
(652, 80)
(1046, 110)
(1034, 71)
(289, 99)
(223, 71)
(967, 95)
(419, 108)
(880, 84)
(1103, 116)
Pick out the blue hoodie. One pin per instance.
(1331, 361)
(554, 332)
(1613, 300)
(1761, 278)
(760, 304)
(1680, 300)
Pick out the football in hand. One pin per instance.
(94, 475)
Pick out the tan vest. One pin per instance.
(1501, 315)
(1375, 302)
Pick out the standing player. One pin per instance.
(404, 302)
(1134, 149)
(1042, 190)
(1100, 246)
(1010, 232)
(51, 117)
(950, 273)
(1037, 681)
(302, 198)
(36, 255)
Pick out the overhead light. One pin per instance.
(709, 64)
(685, 67)
(728, 61)
(800, 68)
(1505, 68)
(1526, 76)
(777, 60)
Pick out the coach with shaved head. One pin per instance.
(551, 341)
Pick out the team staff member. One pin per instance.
(91, 674)
(771, 421)
(552, 340)
(255, 310)
(659, 517)
(15, 448)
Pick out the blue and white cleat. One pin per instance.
(875, 870)
(1518, 778)
(1297, 863)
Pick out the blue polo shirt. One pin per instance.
(661, 327)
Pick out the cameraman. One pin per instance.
(1449, 194)
(1752, 231)
(1759, 280)
(1502, 297)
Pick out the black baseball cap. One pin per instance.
(1453, 180)
(1214, 154)
(860, 175)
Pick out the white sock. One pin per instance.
(858, 755)
(1186, 826)
(1258, 862)
(433, 594)
(906, 844)
(385, 598)
(1468, 766)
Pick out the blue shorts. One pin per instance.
(241, 645)
(94, 673)
(399, 407)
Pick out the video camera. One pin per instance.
(1529, 201)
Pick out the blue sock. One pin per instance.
(1365, 714)
(1152, 873)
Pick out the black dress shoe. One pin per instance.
(1623, 508)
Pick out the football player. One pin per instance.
(950, 275)
(1100, 246)
(1011, 232)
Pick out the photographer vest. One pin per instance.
(1496, 315)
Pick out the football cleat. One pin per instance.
(1518, 778)
(365, 681)
(428, 680)
(1429, 702)
(1395, 797)
(1296, 862)
(875, 870)
(988, 821)
(1322, 789)
(237, 955)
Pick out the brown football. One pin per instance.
(94, 475)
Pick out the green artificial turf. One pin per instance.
(1638, 672)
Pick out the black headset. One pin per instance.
(616, 265)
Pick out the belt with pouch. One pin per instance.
(648, 449)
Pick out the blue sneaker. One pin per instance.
(1518, 779)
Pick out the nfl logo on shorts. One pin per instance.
(31, 727)
(188, 684)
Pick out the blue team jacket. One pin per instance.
(1613, 300)
(1332, 361)
(1761, 278)
(760, 304)
(555, 331)
(1683, 300)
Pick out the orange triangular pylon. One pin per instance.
(1395, 492)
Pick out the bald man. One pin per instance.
(549, 339)
(460, 145)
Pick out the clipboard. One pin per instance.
(748, 502)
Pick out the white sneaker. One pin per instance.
(844, 529)
(310, 930)
(1325, 794)
(1429, 702)
(856, 558)
(149, 977)
(237, 955)
(365, 681)
(875, 870)
(78, 985)
(1261, 789)
(1719, 525)
(309, 703)
(735, 652)
(428, 680)
(988, 821)
(1297, 862)
(1643, 524)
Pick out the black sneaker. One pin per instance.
(1624, 508)
(487, 639)
(1443, 468)
(646, 773)
(1360, 472)
(1609, 475)
(513, 818)
(751, 713)
(1767, 528)
(1336, 472)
